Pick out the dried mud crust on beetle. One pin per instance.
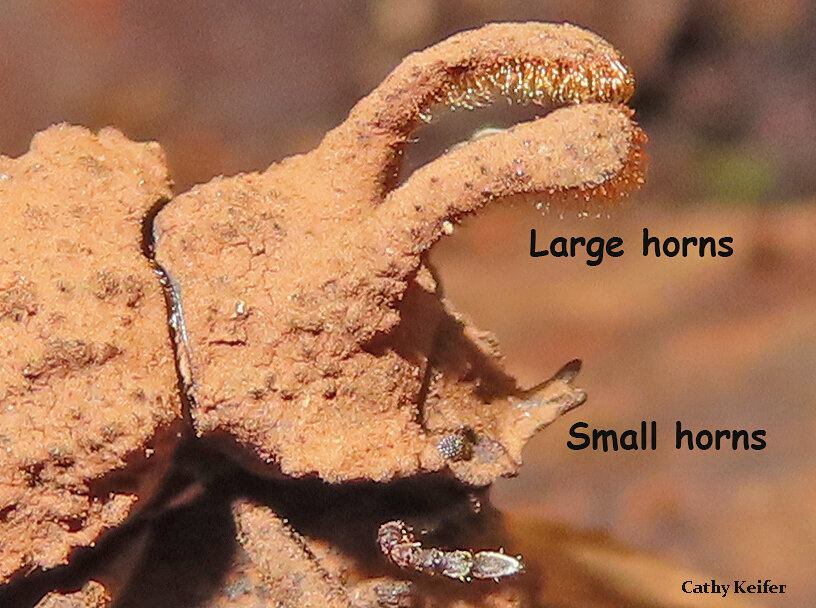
(273, 564)
(313, 333)
(92, 595)
(87, 379)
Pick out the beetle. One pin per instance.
(310, 333)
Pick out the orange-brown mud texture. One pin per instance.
(92, 595)
(305, 543)
(288, 543)
(725, 93)
(314, 334)
(87, 377)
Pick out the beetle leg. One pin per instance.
(398, 543)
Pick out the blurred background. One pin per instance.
(727, 94)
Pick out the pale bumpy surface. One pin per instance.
(92, 595)
(314, 336)
(274, 563)
(87, 378)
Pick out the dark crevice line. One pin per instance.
(148, 246)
